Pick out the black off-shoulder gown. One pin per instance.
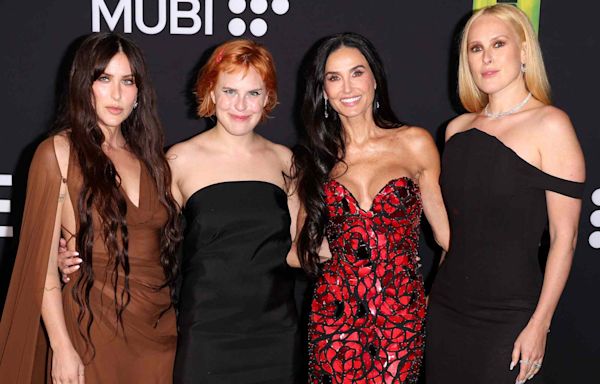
(237, 316)
(489, 285)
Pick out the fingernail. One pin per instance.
(512, 365)
(76, 253)
(79, 260)
(76, 267)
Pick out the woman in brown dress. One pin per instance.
(101, 182)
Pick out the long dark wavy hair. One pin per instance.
(323, 145)
(100, 186)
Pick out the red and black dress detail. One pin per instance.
(368, 308)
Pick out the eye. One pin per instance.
(333, 77)
(229, 91)
(499, 44)
(358, 73)
(103, 78)
(475, 48)
(130, 81)
(254, 93)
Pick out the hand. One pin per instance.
(529, 351)
(67, 367)
(67, 261)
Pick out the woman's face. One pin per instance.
(495, 54)
(114, 93)
(349, 84)
(240, 98)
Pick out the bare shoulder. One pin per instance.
(281, 152)
(62, 146)
(554, 122)
(183, 151)
(460, 124)
(416, 138)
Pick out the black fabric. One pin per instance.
(487, 288)
(237, 315)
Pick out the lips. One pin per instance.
(239, 117)
(489, 73)
(114, 110)
(349, 101)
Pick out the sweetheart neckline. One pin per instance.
(377, 195)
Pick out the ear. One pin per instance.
(266, 100)
(212, 96)
(524, 52)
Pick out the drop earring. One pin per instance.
(523, 68)
(325, 113)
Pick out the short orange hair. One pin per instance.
(230, 57)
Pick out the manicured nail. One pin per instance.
(520, 381)
(512, 365)
(76, 253)
(76, 266)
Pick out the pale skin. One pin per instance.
(113, 96)
(541, 135)
(231, 151)
(374, 156)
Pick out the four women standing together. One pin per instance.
(362, 180)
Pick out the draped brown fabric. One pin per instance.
(20, 327)
(143, 349)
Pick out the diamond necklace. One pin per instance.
(516, 108)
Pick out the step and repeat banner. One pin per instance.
(416, 39)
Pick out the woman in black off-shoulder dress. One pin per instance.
(510, 168)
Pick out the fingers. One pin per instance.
(62, 245)
(68, 259)
(524, 368)
(515, 356)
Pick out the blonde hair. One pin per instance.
(536, 80)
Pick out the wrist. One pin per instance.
(540, 322)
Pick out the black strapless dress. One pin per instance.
(237, 315)
(489, 285)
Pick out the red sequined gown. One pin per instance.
(368, 308)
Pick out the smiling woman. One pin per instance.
(237, 317)
(364, 179)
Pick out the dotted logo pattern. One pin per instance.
(257, 26)
(594, 238)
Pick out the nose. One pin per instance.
(115, 91)
(347, 85)
(487, 56)
(240, 103)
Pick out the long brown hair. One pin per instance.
(100, 187)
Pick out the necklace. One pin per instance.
(515, 109)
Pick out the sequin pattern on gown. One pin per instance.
(368, 308)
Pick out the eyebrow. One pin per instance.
(351, 69)
(492, 39)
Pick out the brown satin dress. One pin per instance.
(143, 350)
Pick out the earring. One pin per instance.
(325, 110)
(376, 104)
(135, 104)
(523, 68)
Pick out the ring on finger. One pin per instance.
(524, 362)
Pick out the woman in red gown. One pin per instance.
(364, 179)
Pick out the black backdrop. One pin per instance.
(417, 40)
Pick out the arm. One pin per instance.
(292, 256)
(429, 174)
(561, 156)
(66, 363)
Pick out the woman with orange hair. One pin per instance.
(237, 316)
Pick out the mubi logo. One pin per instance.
(258, 26)
(594, 238)
(179, 10)
(184, 17)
